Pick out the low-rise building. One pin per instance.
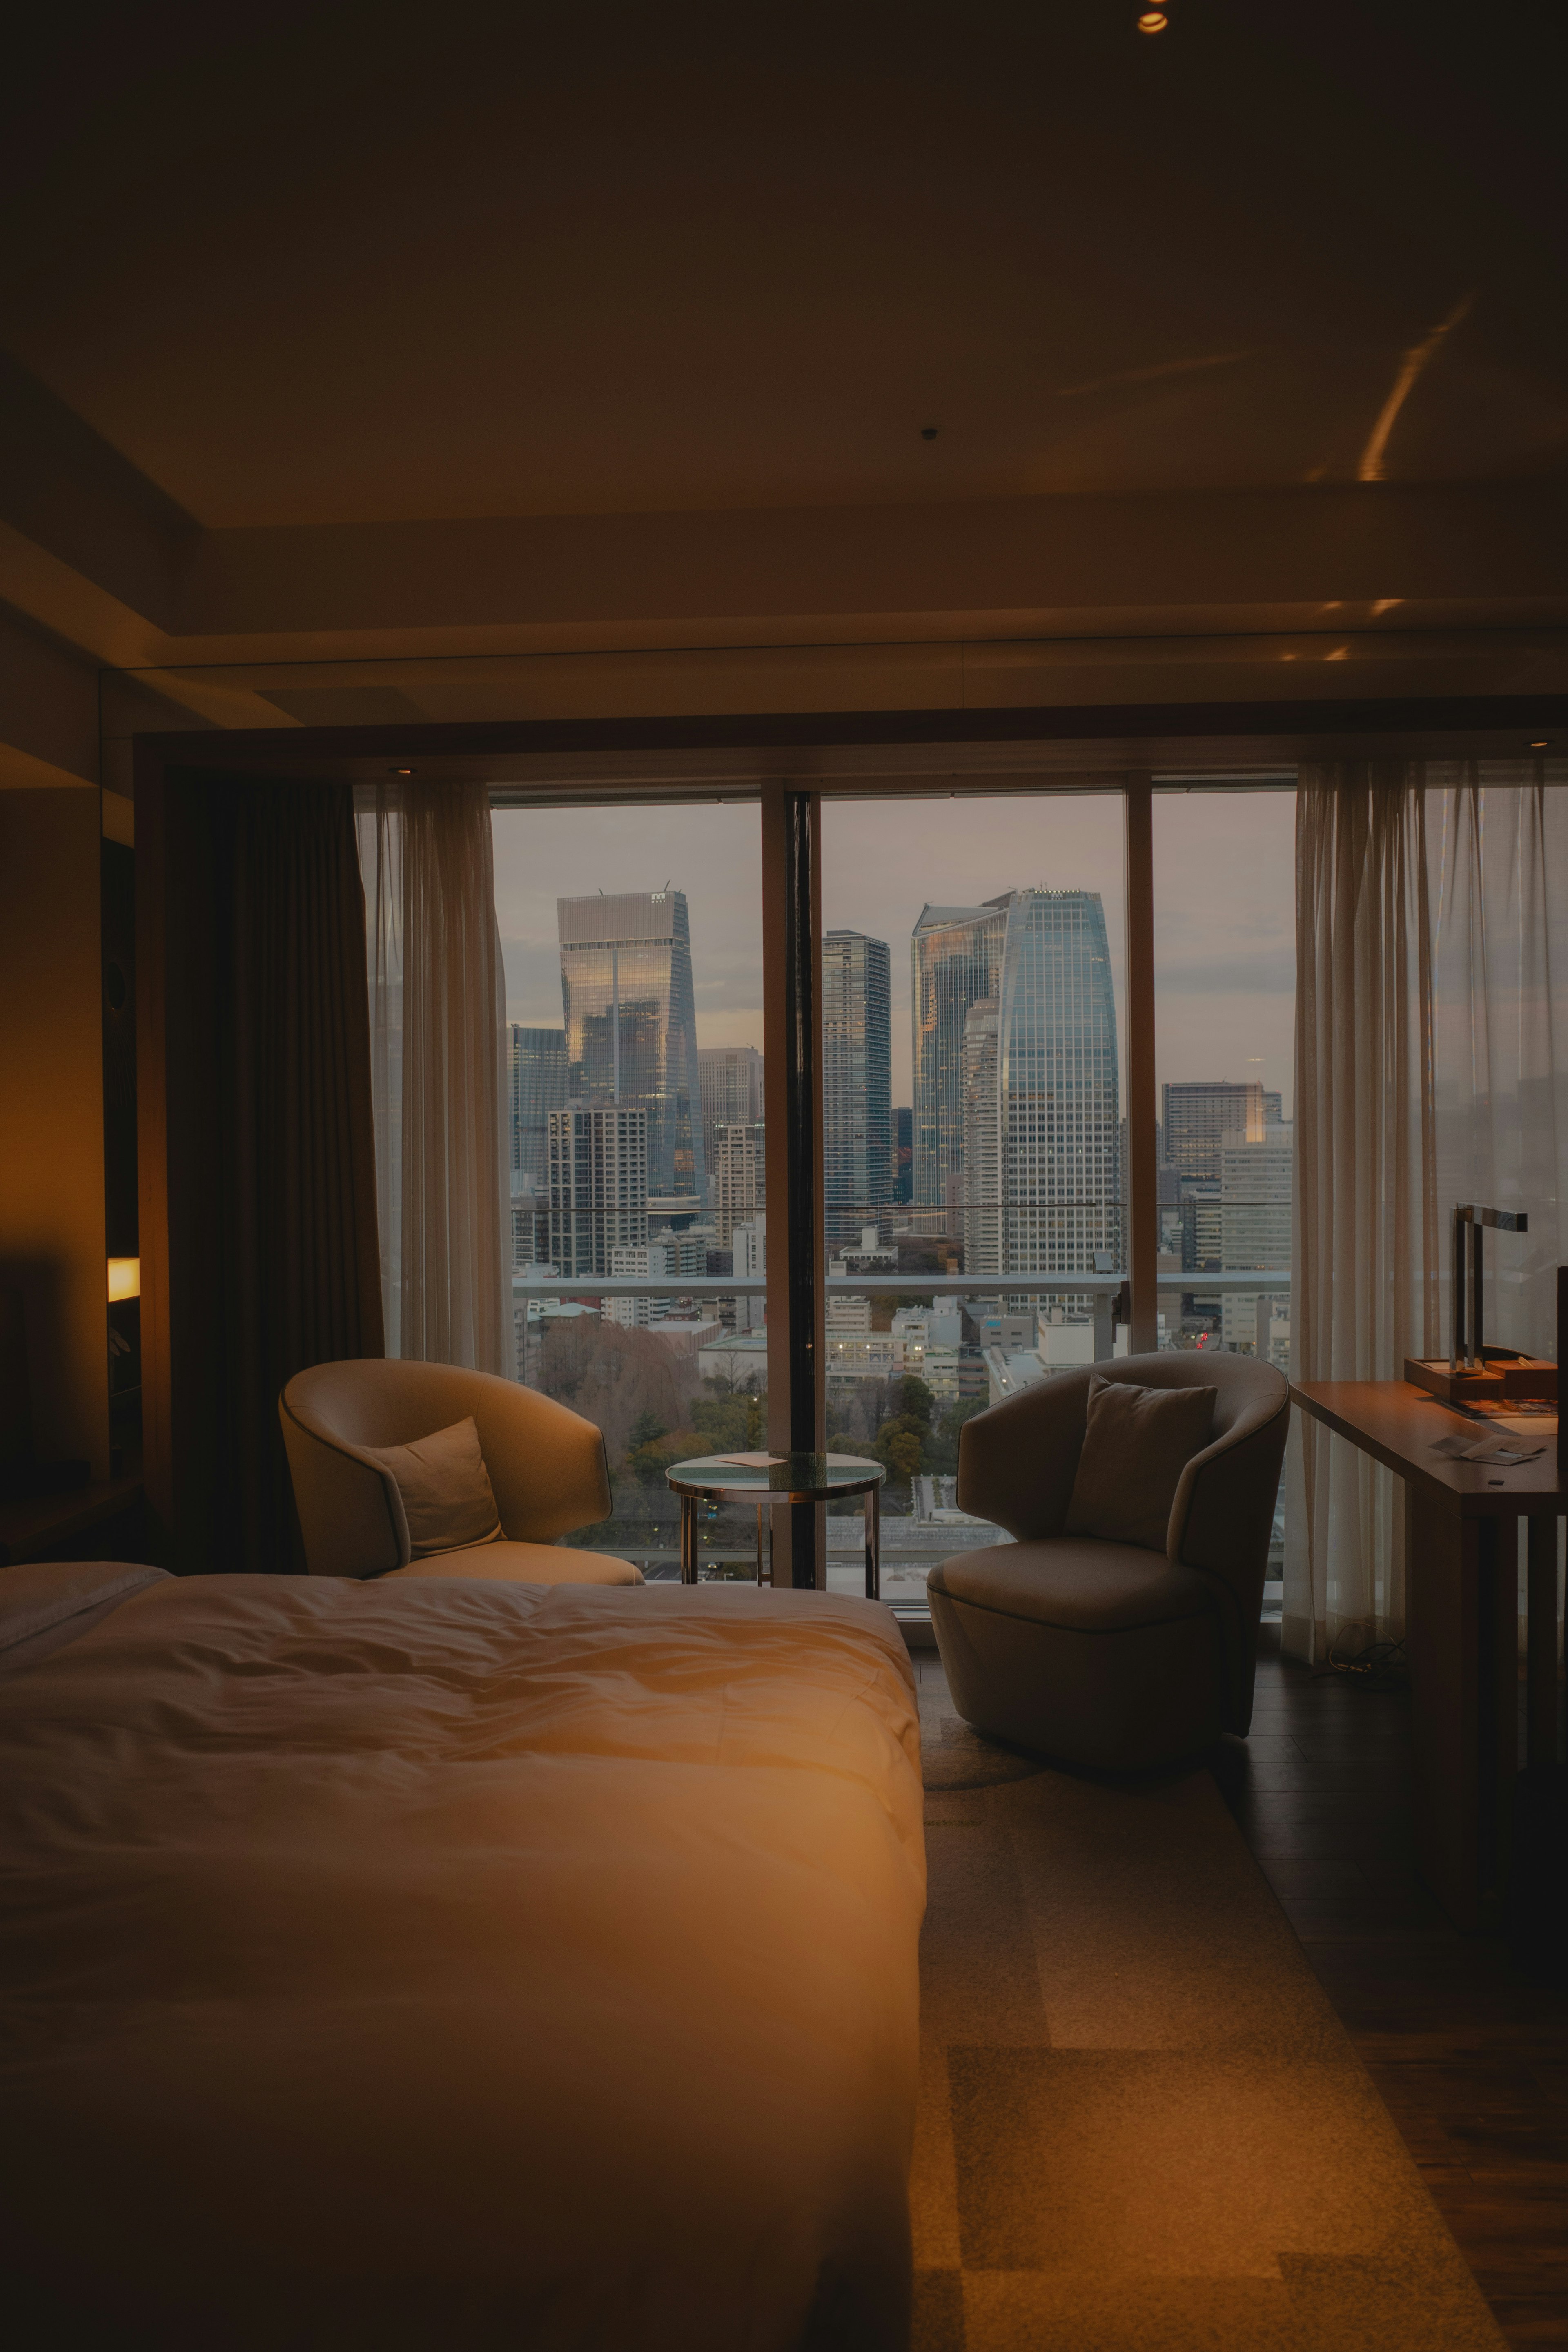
(863, 1355)
(687, 1330)
(848, 1314)
(737, 1360)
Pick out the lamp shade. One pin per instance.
(124, 1278)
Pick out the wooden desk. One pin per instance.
(1462, 1627)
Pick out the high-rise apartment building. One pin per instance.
(955, 955)
(858, 1167)
(730, 1079)
(1038, 1145)
(1257, 1181)
(536, 1085)
(748, 1245)
(740, 1176)
(531, 1217)
(1198, 1113)
(598, 1186)
(631, 1024)
(668, 1259)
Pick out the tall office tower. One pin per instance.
(982, 1141)
(1198, 1112)
(955, 955)
(1255, 1183)
(903, 1152)
(536, 1074)
(731, 1081)
(598, 1186)
(531, 1217)
(1042, 1090)
(857, 1082)
(740, 1176)
(749, 1243)
(631, 1024)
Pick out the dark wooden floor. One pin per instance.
(1471, 2059)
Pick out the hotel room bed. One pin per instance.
(455, 1964)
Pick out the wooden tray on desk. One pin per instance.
(1499, 1382)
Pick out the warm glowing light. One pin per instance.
(1544, 745)
(1153, 21)
(124, 1278)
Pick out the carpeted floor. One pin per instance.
(1142, 2124)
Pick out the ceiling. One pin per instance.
(651, 358)
(307, 265)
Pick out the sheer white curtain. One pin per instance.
(438, 996)
(1431, 1067)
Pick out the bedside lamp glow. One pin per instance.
(124, 1278)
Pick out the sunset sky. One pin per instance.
(1224, 927)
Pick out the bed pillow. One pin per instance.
(448, 1498)
(1136, 1444)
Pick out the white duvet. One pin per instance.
(459, 1964)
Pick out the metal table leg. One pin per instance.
(688, 1539)
(761, 1579)
(873, 1545)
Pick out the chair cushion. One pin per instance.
(445, 1489)
(1136, 1444)
(1075, 1582)
(524, 1563)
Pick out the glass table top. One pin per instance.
(804, 1478)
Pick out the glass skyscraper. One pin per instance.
(1031, 1073)
(536, 1071)
(956, 955)
(1059, 1108)
(631, 1023)
(858, 1150)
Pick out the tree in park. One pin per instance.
(621, 1379)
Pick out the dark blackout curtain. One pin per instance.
(273, 1254)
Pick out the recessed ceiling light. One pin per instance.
(1543, 745)
(400, 771)
(1153, 20)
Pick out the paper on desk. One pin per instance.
(749, 1461)
(1485, 1449)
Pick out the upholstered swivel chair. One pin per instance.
(1105, 1654)
(546, 1465)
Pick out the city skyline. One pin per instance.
(631, 1029)
(1223, 904)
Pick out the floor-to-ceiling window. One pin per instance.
(637, 1198)
(976, 1121)
(1224, 997)
(974, 1131)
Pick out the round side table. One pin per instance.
(778, 1478)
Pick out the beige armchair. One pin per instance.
(546, 1465)
(1105, 1653)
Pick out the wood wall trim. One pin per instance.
(331, 750)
